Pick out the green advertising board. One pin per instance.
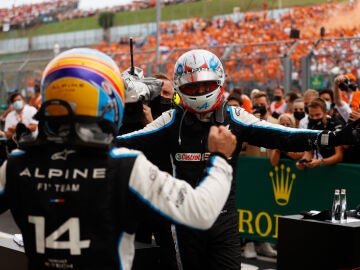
(264, 192)
(316, 82)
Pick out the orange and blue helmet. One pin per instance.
(89, 81)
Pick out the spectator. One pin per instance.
(324, 155)
(246, 102)
(349, 92)
(328, 96)
(341, 105)
(35, 101)
(22, 113)
(164, 101)
(277, 106)
(351, 152)
(309, 95)
(275, 154)
(299, 111)
(234, 99)
(290, 97)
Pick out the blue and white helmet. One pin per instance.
(199, 66)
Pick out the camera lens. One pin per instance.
(344, 85)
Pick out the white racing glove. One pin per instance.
(137, 87)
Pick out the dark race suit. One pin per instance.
(78, 208)
(181, 134)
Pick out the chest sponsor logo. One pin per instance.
(191, 156)
(188, 156)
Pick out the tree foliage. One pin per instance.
(106, 19)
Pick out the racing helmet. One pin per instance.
(197, 69)
(89, 83)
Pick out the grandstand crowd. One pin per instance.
(261, 40)
(31, 15)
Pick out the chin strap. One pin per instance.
(219, 116)
(69, 128)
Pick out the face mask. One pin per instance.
(299, 115)
(259, 109)
(18, 105)
(328, 105)
(159, 105)
(277, 98)
(315, 124)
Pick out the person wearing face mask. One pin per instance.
(286, 120)
(22, 113)
(261, 109)
(328, 96)
(278, 105)
(309, 95)
(164, 101)
(323, 155)
(299, 111)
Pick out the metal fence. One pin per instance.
(295, 64)
(329, 57)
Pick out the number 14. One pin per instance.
(74, 244)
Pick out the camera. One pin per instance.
(347, 84)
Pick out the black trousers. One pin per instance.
(213, 249)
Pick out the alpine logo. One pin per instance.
(203, 107)
(188, 156)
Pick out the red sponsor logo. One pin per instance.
(188, 156)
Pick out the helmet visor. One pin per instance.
(198, 88)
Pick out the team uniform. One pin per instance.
(180, 133)
(78, 208)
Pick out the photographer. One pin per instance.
(349, 93)
(349, 115)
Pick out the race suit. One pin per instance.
(78, 208)
(181, 134)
